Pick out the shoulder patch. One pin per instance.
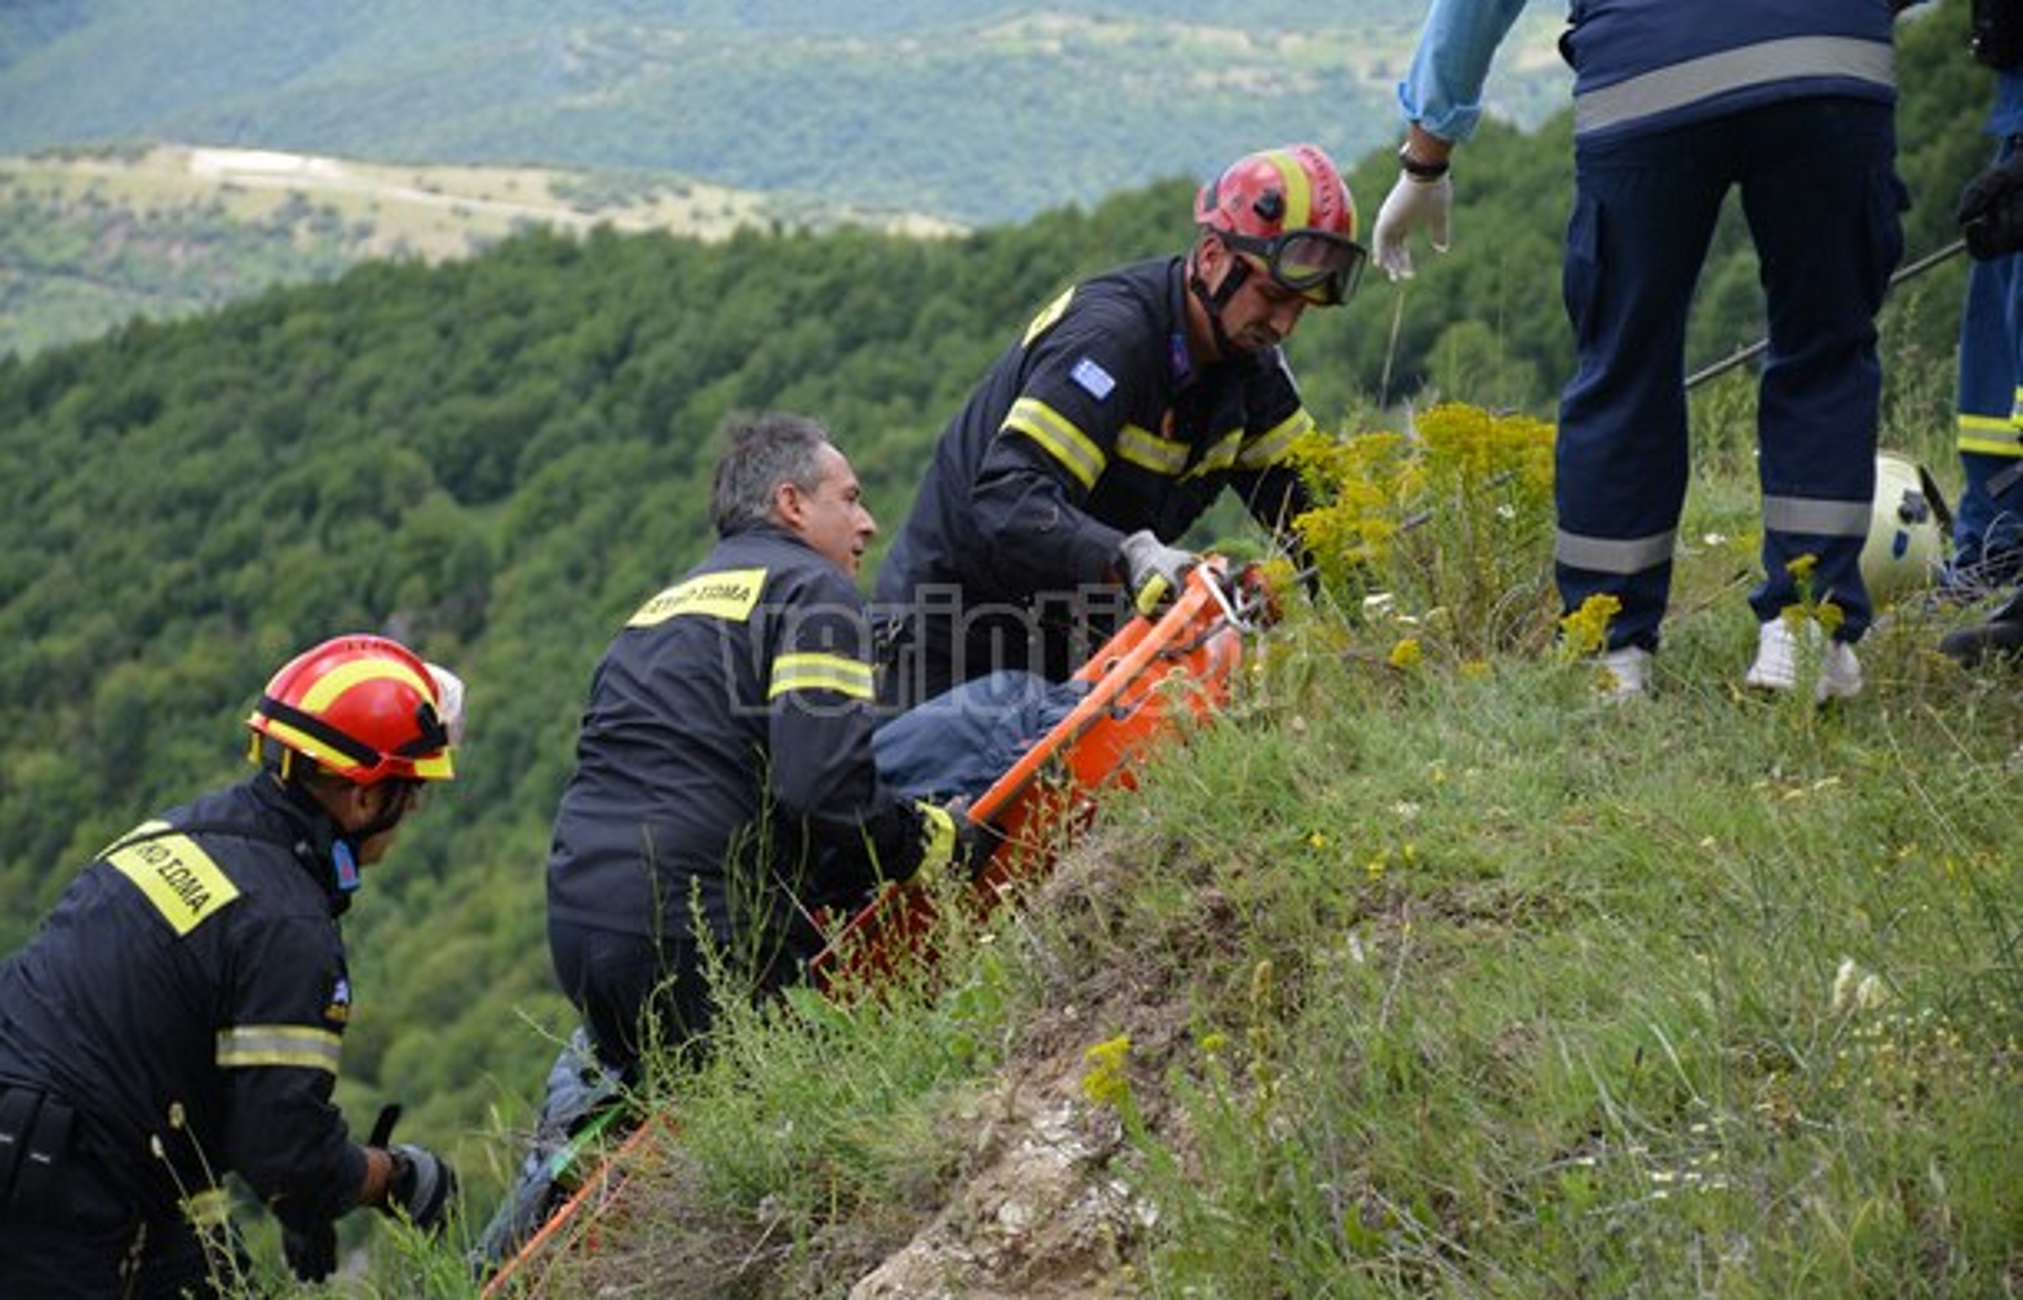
(1092, 379)
(729, 595)
(338, 1010)
(174, 874)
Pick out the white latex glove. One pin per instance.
(1411, 204)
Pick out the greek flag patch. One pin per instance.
(1092, 378)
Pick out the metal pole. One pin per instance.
(1756, 349)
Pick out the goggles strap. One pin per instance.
(311, 725)
(433, 737)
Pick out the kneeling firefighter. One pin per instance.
(177, 1016)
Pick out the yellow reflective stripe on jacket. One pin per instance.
(730, 595)
(1059, 438)
(1143, 447)
(211, 1209)
(1270, 447)
(819, 672)
(298, 1045)
(177, 877)
(1220, 456)
(1050, 313)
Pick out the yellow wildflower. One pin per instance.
(1586, 631)
(1108, 1082)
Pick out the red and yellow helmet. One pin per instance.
(364, 708)
(1289, 211)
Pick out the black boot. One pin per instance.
(2001, 635)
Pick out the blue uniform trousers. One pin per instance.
(1820, 193)
(1988, 524)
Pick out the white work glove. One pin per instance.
(1412, 203)
(1153, 571)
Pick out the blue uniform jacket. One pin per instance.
(1649, 65)
(724, 769)
(1096, 423)
(190, 988)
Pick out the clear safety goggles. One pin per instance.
(1322, 268)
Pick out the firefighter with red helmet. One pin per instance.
(178, 1015)
(1058, 495)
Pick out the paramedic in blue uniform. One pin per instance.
(1058, 495)
(177, 1016)
(1674, 105)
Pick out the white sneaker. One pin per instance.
(1625, 673)
(1779, 657)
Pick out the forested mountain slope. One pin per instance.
(971, 109)
(497, 458)
(675, 115)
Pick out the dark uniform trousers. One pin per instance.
(70, 1228)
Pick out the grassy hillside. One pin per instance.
(90, 239)
(1436, 975)
(1420, 981)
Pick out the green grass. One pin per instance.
(1429, 974)
(1453, 984)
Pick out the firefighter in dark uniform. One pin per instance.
(724, 789)
(1988, 523)
(1056, 495)
(178, 1015)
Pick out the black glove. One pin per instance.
(1991, 211)
(421, 1188)
(976, 843)
(312, 1255)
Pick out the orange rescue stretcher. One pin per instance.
(1150, 679)
(1146, 682)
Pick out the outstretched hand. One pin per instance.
(1412, 204)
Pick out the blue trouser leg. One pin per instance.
(1821, 195)
(1988, 520)
(1824, 204)
(1644, 210)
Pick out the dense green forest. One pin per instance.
(495, 459)
(970, 113)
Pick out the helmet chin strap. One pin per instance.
(389, 817)
(1213, 300)
(349, 842)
